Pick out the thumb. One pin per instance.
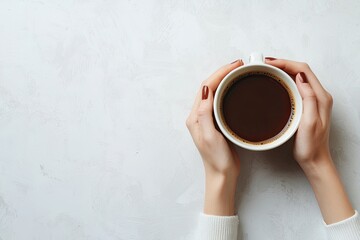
(205, 116)
(310, 109)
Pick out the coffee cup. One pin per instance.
(257, 106)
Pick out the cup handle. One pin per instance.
(256, 58)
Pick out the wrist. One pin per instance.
(329, 191)
(221, 183)
(229, 173)
(317, 166)
(220, 195)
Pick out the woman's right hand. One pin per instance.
(311, 148)
(312, 138)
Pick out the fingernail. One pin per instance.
(205, 92)
(235, 61)
(241, 61)
(270, 58)
(303, 78)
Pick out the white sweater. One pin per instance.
(226, 227)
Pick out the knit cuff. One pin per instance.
(348, 229)
(218, 227)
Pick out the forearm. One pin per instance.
(329, 190)
(220, 195)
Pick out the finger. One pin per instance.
(192, 119)
(212, 82)
(323, 108)
(204, 114)
(310, 109)
(293, 68)
(233, 150)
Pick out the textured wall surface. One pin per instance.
(93, 100)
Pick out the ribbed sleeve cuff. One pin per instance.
(218, 227)
(348, 229)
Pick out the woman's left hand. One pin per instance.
(221, 162)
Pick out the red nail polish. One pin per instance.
(205, 92)
(303, 78)
(270, 58)
(235, 61)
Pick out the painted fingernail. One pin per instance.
(235, 61)
(270, 58)
(205, 92)
(303, 78)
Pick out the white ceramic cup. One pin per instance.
(257, 64)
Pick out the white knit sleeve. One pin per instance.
(217, 227)
(348, 229)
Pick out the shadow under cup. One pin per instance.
(268, 78)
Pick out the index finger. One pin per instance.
(293, 68)
(324, 99)
(213, 82)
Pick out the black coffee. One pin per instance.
(256, 107)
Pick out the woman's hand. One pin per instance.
(221, 162)
(312, 138)
(311, 148)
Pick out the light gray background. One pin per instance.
(93, 100)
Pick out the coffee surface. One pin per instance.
(256, 107)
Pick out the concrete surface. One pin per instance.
(93, 100)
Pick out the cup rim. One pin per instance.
(288, 132)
